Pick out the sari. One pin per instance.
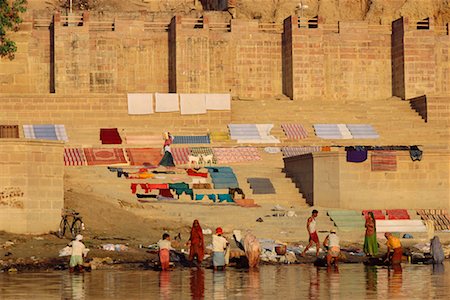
(370, 238)
(197, 248)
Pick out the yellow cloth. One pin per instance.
(393, 242)
(146, 175)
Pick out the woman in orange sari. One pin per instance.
(196, 242)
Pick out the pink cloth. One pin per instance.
(294, 131)
(240, 154)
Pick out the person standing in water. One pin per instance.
(78, 248)
(196, 243)
(219, 244)
(331, 242)
(393, 244)
(165, 246)
(312, 231)
(370, 239)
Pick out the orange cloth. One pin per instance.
(393, 242)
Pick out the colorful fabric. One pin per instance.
(195, 139)
(192, 172)
(110, 136)
(167, 160)
(371, 245)
(9, 131)
(166, 102)
(218, 101)
(197, 151)
(140, 104)
(74, 157)
(240, 154)
(334, 251)
(357, 155)
(141, 156)
(294, 151)
(45, 132)
(164, 259)
(314, 237)
(397, 214)
(101, 156)
(383, 161)
(362, 131)
(181, 155)
(197, 242)
(192, 104)
(332, 131)
(397, 255)
(246, 202)
(393, 242)
(294, 131)
(225, 197)
(217, 136)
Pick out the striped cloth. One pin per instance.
(194, 139)
(294, 131)
(197, 151)
(241, 154)
(383, 161)
(181, 155)
(45, 132)
(74, 157)
(362, 131)
(294, 151)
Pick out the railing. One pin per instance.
(271, 27)
(102, 25)
(423, 24)
(196, 23)
(220, 26)
(308, 23)
(42, 23)
(156, 26)
(71, 20)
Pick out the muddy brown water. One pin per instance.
(352, 281)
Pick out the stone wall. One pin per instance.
(31, 185)
(341, 184)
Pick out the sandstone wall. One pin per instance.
(31, 185)
(415, 185)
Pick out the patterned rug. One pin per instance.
(294, 131)
(241, 154)
(180, 155)
(383, 161)
(197, 151)
(74, 157)
(100, 156)
(139, 156)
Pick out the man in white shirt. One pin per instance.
(78, 248)
(219, 244)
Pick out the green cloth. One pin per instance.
(371, 244)
(167, 160)
(75, 260)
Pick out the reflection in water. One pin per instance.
(270, 282)
(197, 283)
(371, 278)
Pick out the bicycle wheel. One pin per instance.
(77, 226)
(62, 228)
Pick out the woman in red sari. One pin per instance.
(196, 242)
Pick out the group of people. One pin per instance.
(220, 248)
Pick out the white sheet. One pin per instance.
(192, 104)
(140, 104)
(166, 102)
(218, 101)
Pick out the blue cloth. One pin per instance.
(196, 139)
(199, 196)
(225, 197)
(46, 132)
(218, 259)
(212, 197)
(357, 154)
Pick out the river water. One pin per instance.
(352, 281)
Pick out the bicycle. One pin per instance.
(77, 223)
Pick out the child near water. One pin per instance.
(165, 246)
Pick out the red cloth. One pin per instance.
(197, 242)
(191, 172)
(144, 186)
(314, 237)
(164, 259)
(110, 136)
(158, 186)
(133, 188)
(165, 193)
(397, 256)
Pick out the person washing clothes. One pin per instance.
(393, 244)
(313, 237)
(78, 250)
(219, 244)
(331, 242)
(165, 246)
(196, 243)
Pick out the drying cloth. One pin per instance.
(140, 104)
(110, 136)
(74, 157)
(61, 133)
(217, 136)
(362, 131)
(261, 185)
(28, 132)
(9, 131)
(294, 151)
(345, 133)
(225, 197)
(192, 172)
(243, 131)
(181, 155)
(99, 156)
(144, 140)
(166, 102)
(264, 135)
(246, 202)
(328, 131)
(294, 131)
(384, 161)
(397, 214)
(197, 151)
(415, 153)
(45, 132)
(272, 150)
(356, 154)
(195, 139)
(192, 104)
(240, 154)
(141, 156)
(204, 186)
(218, 101)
